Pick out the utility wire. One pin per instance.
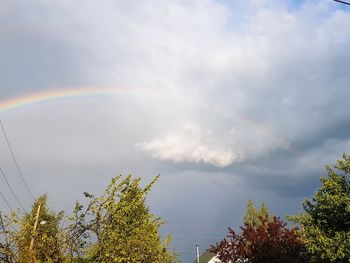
(7, 203)
(342, 2)
(15, 160)
(194, 236)
(13, 193)
(195, 226)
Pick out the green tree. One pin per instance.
(264, 212)
(8, 243)
(122, 224)
(250, 217)
(326, 221)
(47, 237)
(255, 217)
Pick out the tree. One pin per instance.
(267, 240)
(326, 221)
(122, 224)
(254, 217)
(264, 212)
(8, 248)
(251, 216)
(114, 227)
(47, 237)
(17, 233)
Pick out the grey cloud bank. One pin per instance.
(252, 100)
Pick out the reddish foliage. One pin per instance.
(270, 242)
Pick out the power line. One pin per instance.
(13, 193)
(188, 243)
(196, 226)
(7, 203)
(196, 236)
(15, 160)
(342, 2)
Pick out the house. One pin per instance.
(208, 257)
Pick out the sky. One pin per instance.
(226, 100)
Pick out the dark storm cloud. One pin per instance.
(286, 186)
(332, 130)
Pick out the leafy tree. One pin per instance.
(8, 248)
(326, 221)
(254, 217)
(251, 217)
(267, 240)
(16, 234)
(115, 227)
(264, 212)
(47, 237)
(122, 224)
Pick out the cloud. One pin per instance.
(261, 75)
(190, 143)
(256, 90)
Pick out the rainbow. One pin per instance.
(62, 94)
(82, 92)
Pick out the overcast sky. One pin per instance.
(230, 100)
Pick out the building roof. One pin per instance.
(205, 257)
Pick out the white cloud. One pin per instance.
(259, 66)
(191, 143)
(269, 72)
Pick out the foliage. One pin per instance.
(8, 248)
(263, 238)
(326, 221)
(47, 237)
(122, 224)
(115, 227)
(254, 217)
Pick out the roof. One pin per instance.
(205, 257)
